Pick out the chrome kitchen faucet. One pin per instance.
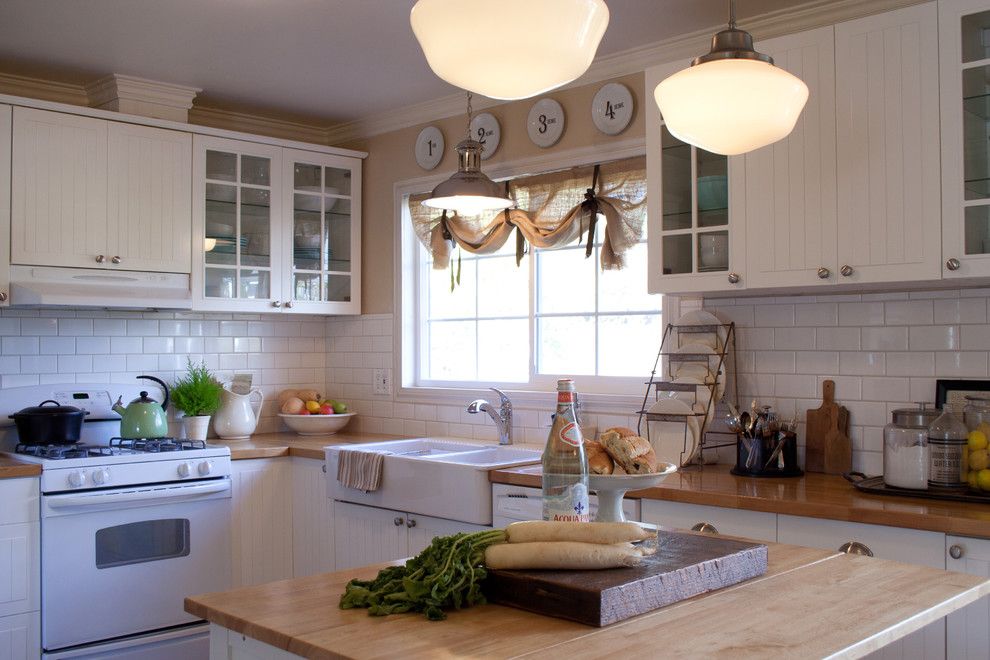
(502, 416)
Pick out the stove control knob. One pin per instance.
(77, 479)
(101, 476)
(185, 469)
(205, 468)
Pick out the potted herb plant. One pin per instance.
(197, 396)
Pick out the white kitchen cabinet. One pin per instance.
(232, 645)
(261, 534)
(887, 129)
(6, 127)
(964, 61)
(92, 193)
(368, 535)
(20, 569)
(790, 186)
(20, 636)
(968, 629)
(757, 525)
(312, 519)
(696, 238)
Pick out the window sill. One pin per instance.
(620, 404)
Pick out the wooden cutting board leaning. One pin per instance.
(828, 448)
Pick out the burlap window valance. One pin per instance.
(552, 210)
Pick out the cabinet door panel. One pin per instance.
(421, 533)
(367, 535)
(888, 146)
(6, 126)
(790, 185)
(20, 636)
(58, 189)
(150, 204)
(262, 521)
(312, 519)
(968, 629)
(19, 568)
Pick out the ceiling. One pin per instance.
(337, 60)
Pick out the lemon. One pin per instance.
(979, 460)
(313, 406)
(977, 440)
(983, 479)
(973, 479)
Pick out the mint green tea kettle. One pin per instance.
(143, 417)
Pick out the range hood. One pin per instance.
(86, 287)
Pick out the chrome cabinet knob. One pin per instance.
(823, 273)
(410, 523)
(324, 466)
(397, 521)
(846, 270)
(3, 296)
(855, 548)
(733, 278)
(953, 264)
(116, 259)
(288, 304)
(276, 303)
(100, 259)
(956, 551)
(705, 528)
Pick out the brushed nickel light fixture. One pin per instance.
(509, 49)
(733, 99)
(468, 191)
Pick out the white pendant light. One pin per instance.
(733, 99)
(468, 191)
(509, 49)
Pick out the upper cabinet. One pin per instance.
(279, 229)
(92, 193)
(6, 120)
(964, 49)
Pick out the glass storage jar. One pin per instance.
(948, 465)
(905, 447)
(976, 415)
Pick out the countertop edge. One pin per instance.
(12, 468)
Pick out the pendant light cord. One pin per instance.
(470, 111)
(732, 14)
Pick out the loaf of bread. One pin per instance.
(599, 462)
(629, 451)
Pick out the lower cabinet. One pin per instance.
(20, 569)
(20, 636)
(715, 519)
(968, 630)
(312, 519)
(367, 535)
(231, 645)
(261, 529)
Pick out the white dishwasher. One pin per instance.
(512, 503)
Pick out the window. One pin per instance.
(556, 313)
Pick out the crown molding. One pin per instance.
(47, 90)
(117, 86)
(244, 122)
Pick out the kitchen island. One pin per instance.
(810, 603)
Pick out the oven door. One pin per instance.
(120, 562)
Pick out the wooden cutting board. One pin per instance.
(685, 565)
(828, 448)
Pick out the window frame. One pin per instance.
(618, 397)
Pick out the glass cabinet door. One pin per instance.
(324, 233)
(975, 34)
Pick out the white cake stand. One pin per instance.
(612, 488)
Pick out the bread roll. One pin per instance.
(633, 453)
(599, 462)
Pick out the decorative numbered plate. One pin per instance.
(429, 147)
(485, 129)
(612, 108)
(546, 123)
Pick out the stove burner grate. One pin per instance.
(156, 445)
(57, 452)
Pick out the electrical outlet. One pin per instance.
(383, 381)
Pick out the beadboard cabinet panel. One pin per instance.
(262, 521)
(367, 535)
(968, 629)
(6, 127)
(423, 529)
(312, 519)
(20, 636)
(20, 568)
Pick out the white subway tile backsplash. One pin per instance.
(91, 345)
(110, 327)
(816, 314)
(816, 362)
(963, 310)
(158, 345)
(861, 313)
(886, 389)
(915, 312)
(838, 339)
(20, 345)
(910, 364)
(38, 327)
(774, 316)
(867, 363)
(789, 338)
(126, 344)
(962, 364)
(83, 364)
(10, 326)
(142, 327)
(884, 339)
(934, 338)
(75, 327)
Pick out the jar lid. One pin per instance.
(914, 417)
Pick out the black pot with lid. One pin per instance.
(45, 424)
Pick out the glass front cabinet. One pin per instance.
(964, 44)
(280, 229)
(693, 245)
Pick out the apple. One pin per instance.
(339, 407)
(305, 412)
(326, 409)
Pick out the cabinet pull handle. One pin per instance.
(276, 303)
(324, 466)
(397, 521)
(116, 259)
(855, 548)
(847, 270)
(3, 296)
(411, 522)
(953, 264)
(100, 259)
(733, 278)
(705, 528)
(823, 273)
(956, 551)
(288, 304)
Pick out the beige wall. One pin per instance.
(390, 159)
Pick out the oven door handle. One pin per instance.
(160, 494)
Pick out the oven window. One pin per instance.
(148, 540)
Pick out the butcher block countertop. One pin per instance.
(813, 495)
(273, 445)
(810, 603)
(10, 468)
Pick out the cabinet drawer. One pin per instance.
(907, 545)
(757, 525)
(20, 500)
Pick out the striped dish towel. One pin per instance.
(360, 469)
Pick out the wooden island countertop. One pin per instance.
(810, 603)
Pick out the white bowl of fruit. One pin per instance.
(308, 413)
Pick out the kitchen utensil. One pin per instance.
(674, 440)
(143, 417)
(828, 448)
(238, 416)
(49, 425)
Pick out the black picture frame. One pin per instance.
(957, 389)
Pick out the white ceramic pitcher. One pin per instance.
(238, 415)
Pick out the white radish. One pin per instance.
(561, 555)
(529, 531)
